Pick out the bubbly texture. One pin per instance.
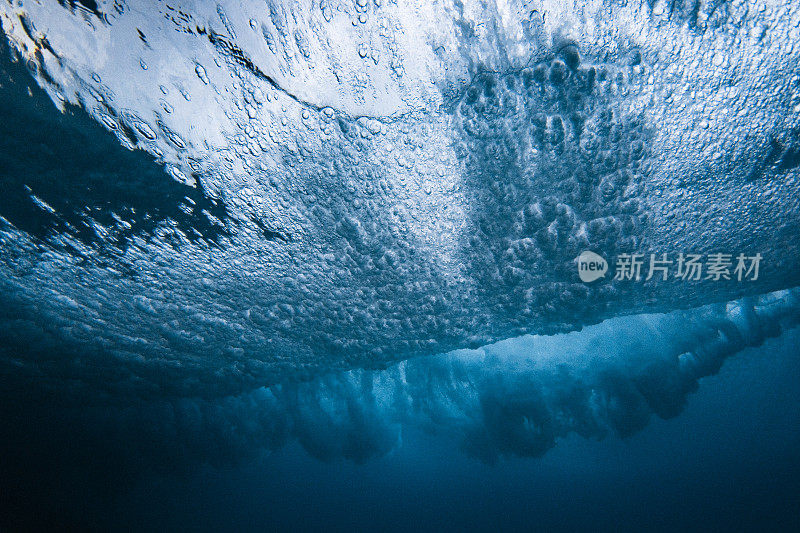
(205, 198)
(232, 231)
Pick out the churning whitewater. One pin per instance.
(282, 190)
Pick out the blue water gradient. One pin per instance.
(312, 265)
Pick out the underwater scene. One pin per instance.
(399, 265)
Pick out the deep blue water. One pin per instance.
(730, 461)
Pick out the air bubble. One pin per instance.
(145, 130)
(96, 94)
(172, 136)
(108, 121)
(201, 73)
(178, 175)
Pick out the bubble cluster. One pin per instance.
(356, 183)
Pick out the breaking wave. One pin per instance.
(233, 196)
(226, 228)
(263, 223)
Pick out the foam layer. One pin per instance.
(349, 185)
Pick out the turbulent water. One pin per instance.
(329, 221)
